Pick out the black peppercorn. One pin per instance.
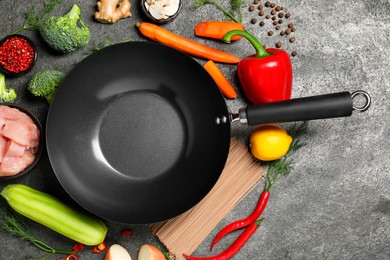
(294, 53)
(251, 8)
(262, 23)
(270, 33)
(254, 20)
(278, 44)
(287, 15)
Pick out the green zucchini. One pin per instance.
(54, 214)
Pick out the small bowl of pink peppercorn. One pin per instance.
(17, 55)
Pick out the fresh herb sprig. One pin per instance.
(235, 7)
(34, 20)
(283, 166)
(15, 225)
(105, 43)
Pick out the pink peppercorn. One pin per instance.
(16, 54)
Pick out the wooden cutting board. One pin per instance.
(184, 233)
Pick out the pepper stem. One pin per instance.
(260, 50)
(258, 222)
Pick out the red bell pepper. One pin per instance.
(265, 76)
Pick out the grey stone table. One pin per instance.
(336, 202)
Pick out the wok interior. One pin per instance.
(138, 143)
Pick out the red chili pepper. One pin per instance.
(265, 76)
(16, 54)
(100, 248)
(235, 247)
(78, 247)
(70, 257)
(126, 232)
(261, 204)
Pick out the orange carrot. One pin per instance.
(217, 29)
(161, 35)
(223, 84)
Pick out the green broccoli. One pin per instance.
(45, 83)
(65, 33)
(6, 95)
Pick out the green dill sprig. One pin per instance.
(15, 225)
(165, 253)
(105, 43)
(283, 166)
(34, 20)
(235, 6)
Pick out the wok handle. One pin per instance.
(307, 108)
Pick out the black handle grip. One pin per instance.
(301, 109)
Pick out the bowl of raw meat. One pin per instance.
(21, 141)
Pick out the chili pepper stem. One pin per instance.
(260, 50)
(258, 222)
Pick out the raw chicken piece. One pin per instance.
(14, 149)
(14, 114)
(13, 165)
(2, 123)
(17, 132)
(3, 145)
(34, 135)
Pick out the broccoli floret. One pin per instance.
(45, 83)
(6, 95)
(65, 33)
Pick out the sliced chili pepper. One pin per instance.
(70, 257)
(235, 247)
(99, 248)
(126, 232)
(78, 247)
(261, 204)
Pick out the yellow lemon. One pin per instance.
(269, 142)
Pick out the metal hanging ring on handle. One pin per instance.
(366, 97)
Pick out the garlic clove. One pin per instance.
(147, 6)
(172, 8)
(157, 11)
(161, 3)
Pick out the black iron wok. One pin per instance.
(139, 132)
